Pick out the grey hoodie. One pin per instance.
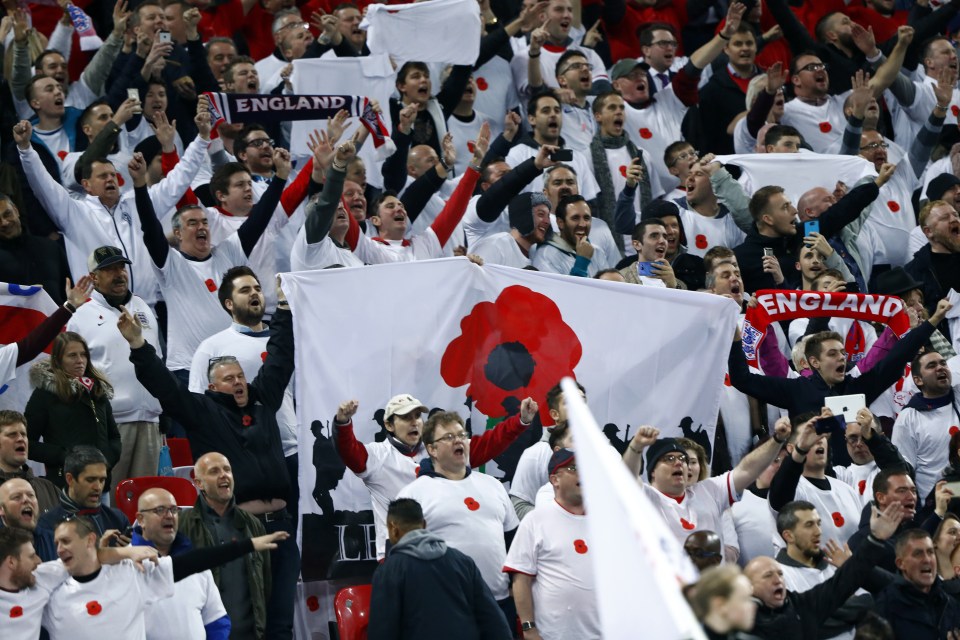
(421, 544)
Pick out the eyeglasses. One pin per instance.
(577, 66)
(685, 155)
(813, 66)
(670, 458)
(853, 439)
(163, 511)
(666, 44)
(259, 142)
(572, 468)
(874, 145)
(452, 437)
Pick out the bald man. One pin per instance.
(19, 509)
(244, 584)
(779, 608)
(195, 612)
(704, 549)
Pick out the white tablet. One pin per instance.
(847, 406)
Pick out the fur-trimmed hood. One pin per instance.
(42, 377)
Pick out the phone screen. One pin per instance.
(811, 226)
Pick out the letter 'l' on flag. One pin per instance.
(638, 565)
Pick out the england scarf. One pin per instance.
(236, 107)
(774, 306)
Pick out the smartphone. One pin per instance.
(827, 425)
(128, 532)
(645, 269)
(134, 94)
(955, 488)
(767, 252)
(811, 226)
(562, 155)
(846, 406)
(164, 36)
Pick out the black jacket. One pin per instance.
(426, 589)
(917, 615)
(34, 260)
(832, 221)
(249, 437)
(801, 395)
(726, 100)
(801, 615)
(888, 560)
(921, 269)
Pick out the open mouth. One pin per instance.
(735, 289)
(20, 448)
(58, 102)
(820, 451)
(459, 450)
(779, 593)
(564, 25)
(255, 302)
(223, 484)
(413, 434)
(841, 369)
(253, 85)
(26, 513)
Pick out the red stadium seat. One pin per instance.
(352, 606)
(128, 492)
(180, 453)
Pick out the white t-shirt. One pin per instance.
(388, 471)
(109, 606)
(502, 248)
(756, 527)
(839, 508)
(320, 255)
(860, 477)
(531, 472)
(586, 183)
(190, 289)
(892, 216)
(821, 126)
(923, 438)
(579, 126)
(424, 246)
(655, 128)
(704, 233)
(22, 612)
(700, 509)
(196, 602)
(496, 93)
(471, 515)
(553, 546)
(549, 56)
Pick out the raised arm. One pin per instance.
(754, 463)
(33, 344)
(491, 443)
(453, 211)
(258, 220)
(498, 196)
(633, 454)
(796, 35)
(783, 486)
(153, 235)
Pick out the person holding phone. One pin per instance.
(652, 267)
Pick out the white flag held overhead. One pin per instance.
(638, 564)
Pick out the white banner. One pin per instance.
(637, 562)
(461, 337)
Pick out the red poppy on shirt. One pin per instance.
(894, 205)
(119, 180)
(645, 133)
(313, 603)
(701, 241)
(726, 380)
(94, 608)
(687, 524)
(61, 154)
(837, 519)
(623, 170)
(955, 110)
(580, 546)
(16, 612)
(263, 356)
(247, 421)
(954, 429)
(826, 127)
(482, 84)
(862, 485)
(472, 504)
(211, 285)
(470, 146)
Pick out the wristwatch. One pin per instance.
(529, 624)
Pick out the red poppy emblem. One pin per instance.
(687, 525)
(826, 127)
(515, 347)
(211, 285)
(623, 170)
(580, 546)
(263, 356)
(893, 205)
(862, 485)
(247, 421)
(471, 147)
(701, 241)
(61, 154)
(472, 504)
(94, 608)
(313, 603)
(119, 180)
(955, 110)
(416, 471)
(953, 430)
(726, 380)
(482, 84)
(837, 519)
(645, 133)
(16, 612)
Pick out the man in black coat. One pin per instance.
(788, 615)
(426, 589)
(29, 259)
(239, 420)
(828, 360)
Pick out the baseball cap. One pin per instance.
(660, 448)
(559, 459)
(401, 405)
(625, 66)
(105, 257)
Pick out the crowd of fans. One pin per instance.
(709, 146)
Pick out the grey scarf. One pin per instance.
(606, 200)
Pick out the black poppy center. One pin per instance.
(510, 366)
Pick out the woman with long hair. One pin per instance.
(70, 405)
(946, 540)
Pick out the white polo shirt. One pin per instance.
(553, 546)
(109, 606)
(22, 612)
(471, 515)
